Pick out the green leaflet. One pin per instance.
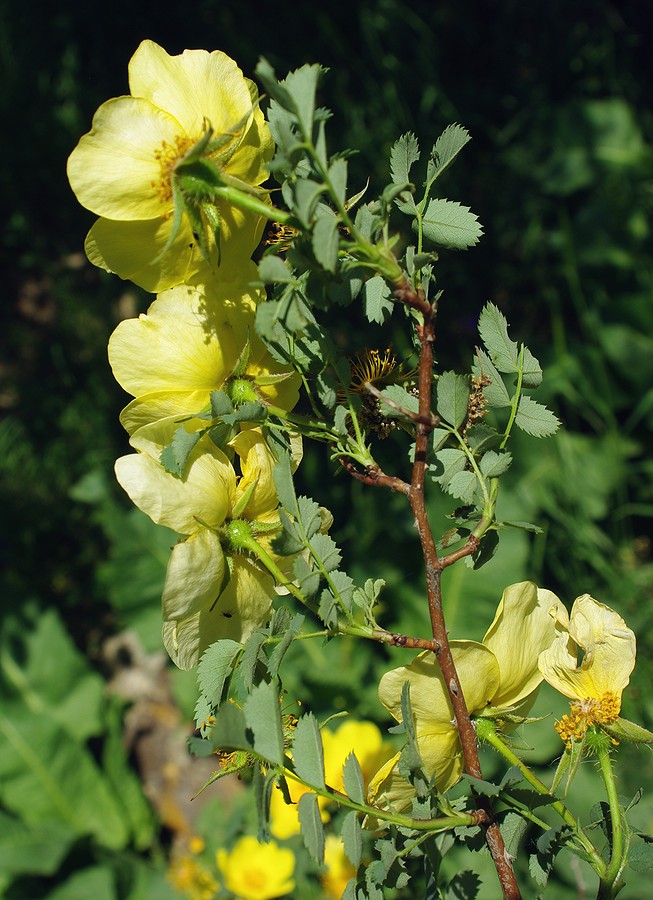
(448, 224)
(308, 753)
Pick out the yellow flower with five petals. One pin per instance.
(254, 871)
(594, 685)
(123, 169)
(207, 596)
(187, 346)
(499, 678)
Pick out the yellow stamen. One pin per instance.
(281, 236)
(168, 156)
(584, 713)
(373, 367)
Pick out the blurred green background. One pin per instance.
(94, 783)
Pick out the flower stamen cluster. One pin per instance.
(584, 713)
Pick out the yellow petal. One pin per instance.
(114, 170)
(193, 86)
(244, 605)
(194, 576)
(204, 493)
(254, 871)
(128, 249)
(526, 623)
(608, 647)
(362, 738)
(189, 340)
(257, 463)
(441, 756)
(161, 405)
(477, 669)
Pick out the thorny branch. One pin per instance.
(425, 421)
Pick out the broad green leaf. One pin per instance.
(535, 419)
(326, 551)
(47, 775)
(283, 483)
(344, 586)
(494, 464)
(308, 752)
(325, 239)
(445, 150)
(306, 194)
(462, 486)
(403, 155)
(52, 681)
(532, 371)
(214, 668)
(309, 516)
(640, 857)
(301, 86)
(378, 303)
(265, 74)
(175, 456)
(35, 849)
(263, 716)
(453, 398)
(493, 329)
(448, 463)
(464, 886)
(496, 392)
(272, 268)
(281, 648)
(482, 438)
(307, 577)
(328, 608)
(338, 178)
(221, 404)
(400, 397)
(252, 655)
(311, 826)
(448, 224)
(352, 838)
(97, 882)
(230, 729)
(353, 779)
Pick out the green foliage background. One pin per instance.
(557, 98)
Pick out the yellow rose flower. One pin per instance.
(339, 870)
(206, 597)
(499, 677)
(187, 345)
(254, 871)
(362, 738)
(608, 658)
(123, 169)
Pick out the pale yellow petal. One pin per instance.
(244, 605)
(204, 493)
(189, 340)
(194, 576)
(162, 405)
(608, 648)
(193, 86)
(362, 738)
(257, 464)
(128, 249)
(114, 170)
(181, 640)
(441, 756)
(477, 669)
(526, 623)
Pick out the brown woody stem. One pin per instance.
(434, 566)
